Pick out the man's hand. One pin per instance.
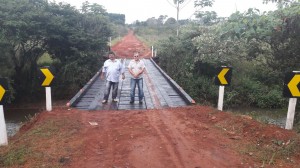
(123, 76)
(136, 75)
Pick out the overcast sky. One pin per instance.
(143, 9)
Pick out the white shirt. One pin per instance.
(113, 70)
(136, 66)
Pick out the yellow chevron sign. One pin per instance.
(48, 75)
(221, 76)
(293, 85)
(2, 92)
(224, 76)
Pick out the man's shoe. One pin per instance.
(141, 102)
(104, 101)
(131, 102)
(114, 100)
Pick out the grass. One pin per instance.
(115, 41)
(15, 156)
(267, 116)
(151, 36)
(270, 153)
(267, 151)
(35, 147)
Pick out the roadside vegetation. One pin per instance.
(39, 33)
(260, 47)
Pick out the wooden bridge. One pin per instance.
(159, 89)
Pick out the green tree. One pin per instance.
(77, 41)
(170, 22)
(161, 19)
(20, 20)
(74, 40)
(203, 3)
(207, 17)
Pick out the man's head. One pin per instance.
(111, 55)
(136, 56)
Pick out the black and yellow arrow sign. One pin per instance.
(3, 88)
(48, 77)
(291, 88)
(223, 77)
(2, 92)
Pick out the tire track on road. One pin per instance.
(158, 124)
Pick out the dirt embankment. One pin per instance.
(193, 136)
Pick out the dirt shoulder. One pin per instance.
(194, 136)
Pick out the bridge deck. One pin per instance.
(160, 91)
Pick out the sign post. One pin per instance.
(48, 99)
(291, 90)
(221, 97)
(151, 51)
(46, 83)
(222, 79)
(3, 133)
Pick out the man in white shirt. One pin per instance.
(112, 69)
(136, 69)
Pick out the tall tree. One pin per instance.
(21, 25)
(177, 3)
(74, 40)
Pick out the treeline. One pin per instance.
(261, 48)
(35, 33)
(155, 29)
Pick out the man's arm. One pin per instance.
(103, 70)
(123, 70)
(102, 75)
(141, 71)
(130, 70)
(143, 68)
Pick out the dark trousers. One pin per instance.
(108, 86)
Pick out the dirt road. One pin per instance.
(130, 44)
(195, 136)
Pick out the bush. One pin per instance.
(250, 92)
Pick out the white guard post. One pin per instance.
(48, 99)
(291, 113)
(221, 97)
(152, 51)
(3, 133)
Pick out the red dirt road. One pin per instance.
(130, 44)
(186, 137)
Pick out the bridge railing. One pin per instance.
(178, 88)
(82, 91)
